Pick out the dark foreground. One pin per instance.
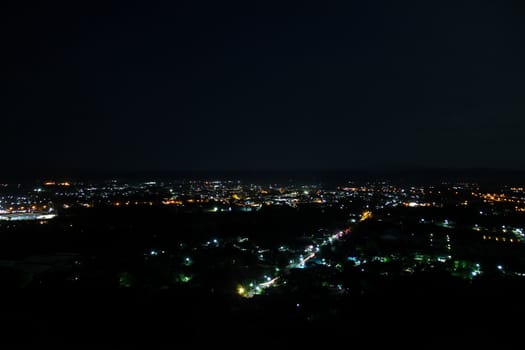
(178, 317)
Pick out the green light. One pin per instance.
(184, 278)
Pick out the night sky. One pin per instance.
(253, 85)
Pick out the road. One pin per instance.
(312, 251)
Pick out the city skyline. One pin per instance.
(244, 172)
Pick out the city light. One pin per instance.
(241, 291)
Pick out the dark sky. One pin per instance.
(226, 86)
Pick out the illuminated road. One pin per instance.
(307, 258)
(312, 250)
(269, 283)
